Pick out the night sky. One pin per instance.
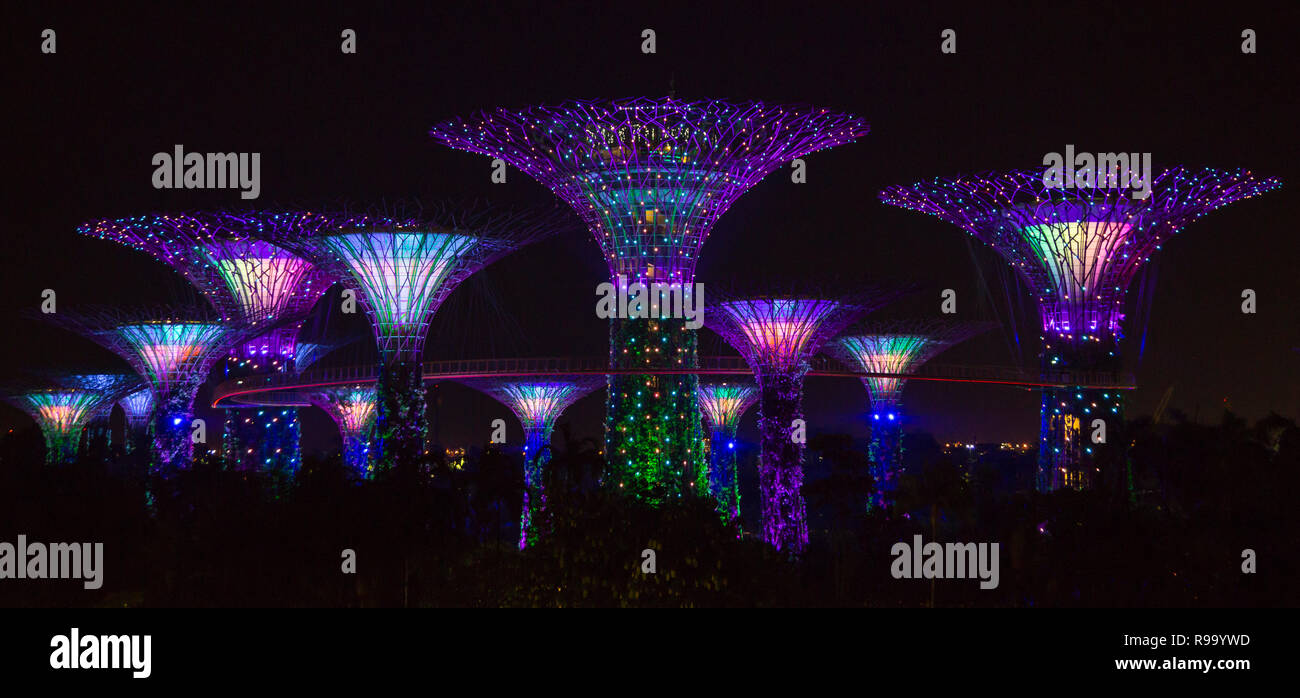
(81, 128)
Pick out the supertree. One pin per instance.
(137, 406)
(403, 268)
(723, 405)
(98, 441)
(1077, 250)
(777, 334)
(248, 280)
(173, 349)
(537, 404)
(352, 407)
(61, 414)
(897, 347)
(650, 177)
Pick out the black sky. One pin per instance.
(82, 125)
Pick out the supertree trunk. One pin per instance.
(356, 454)
(537, 453)
(1070, 433)
(173, 445)
(401, 425)
(886, 457)
(724, 486)
(653, 439)
(785, 521)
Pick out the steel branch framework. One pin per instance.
(650, 176)
(1076, 248)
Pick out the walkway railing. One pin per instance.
(286, 388)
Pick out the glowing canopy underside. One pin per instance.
(725, 403)
(351, 407)
(59, 411)
(1078, 249)
(650, 177)
(170, 353)
(404, 277)
(537, 404)
(775, 332)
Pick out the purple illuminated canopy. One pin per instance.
(1076, 248)
(650, 176)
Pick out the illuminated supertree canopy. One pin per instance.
(897, 347)
(352, 407)
(173, 349)
(723, 405)
(537, 404)
(61, 413)
(1077, 249)
(111, 387)
(137, 406)
(650, 177)
(403, 268)
(777, 335)
(248, 280)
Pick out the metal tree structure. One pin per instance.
(777, 335)
(723, 405)
(537, 404)
(137, 406)
(61, 414)
(402, 270)
(650, 177)
(896, 347)
(173, 349)
(352, 407)
(250, 281)
(1077, 249)
(98, 440)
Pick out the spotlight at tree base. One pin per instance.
(353, 410)
(777, 334)
(723, 405)
(402, 269)
(249, 281)
(650, 177)
(173, 349)
(895, 347)
(1077, 249)
(537, 404)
